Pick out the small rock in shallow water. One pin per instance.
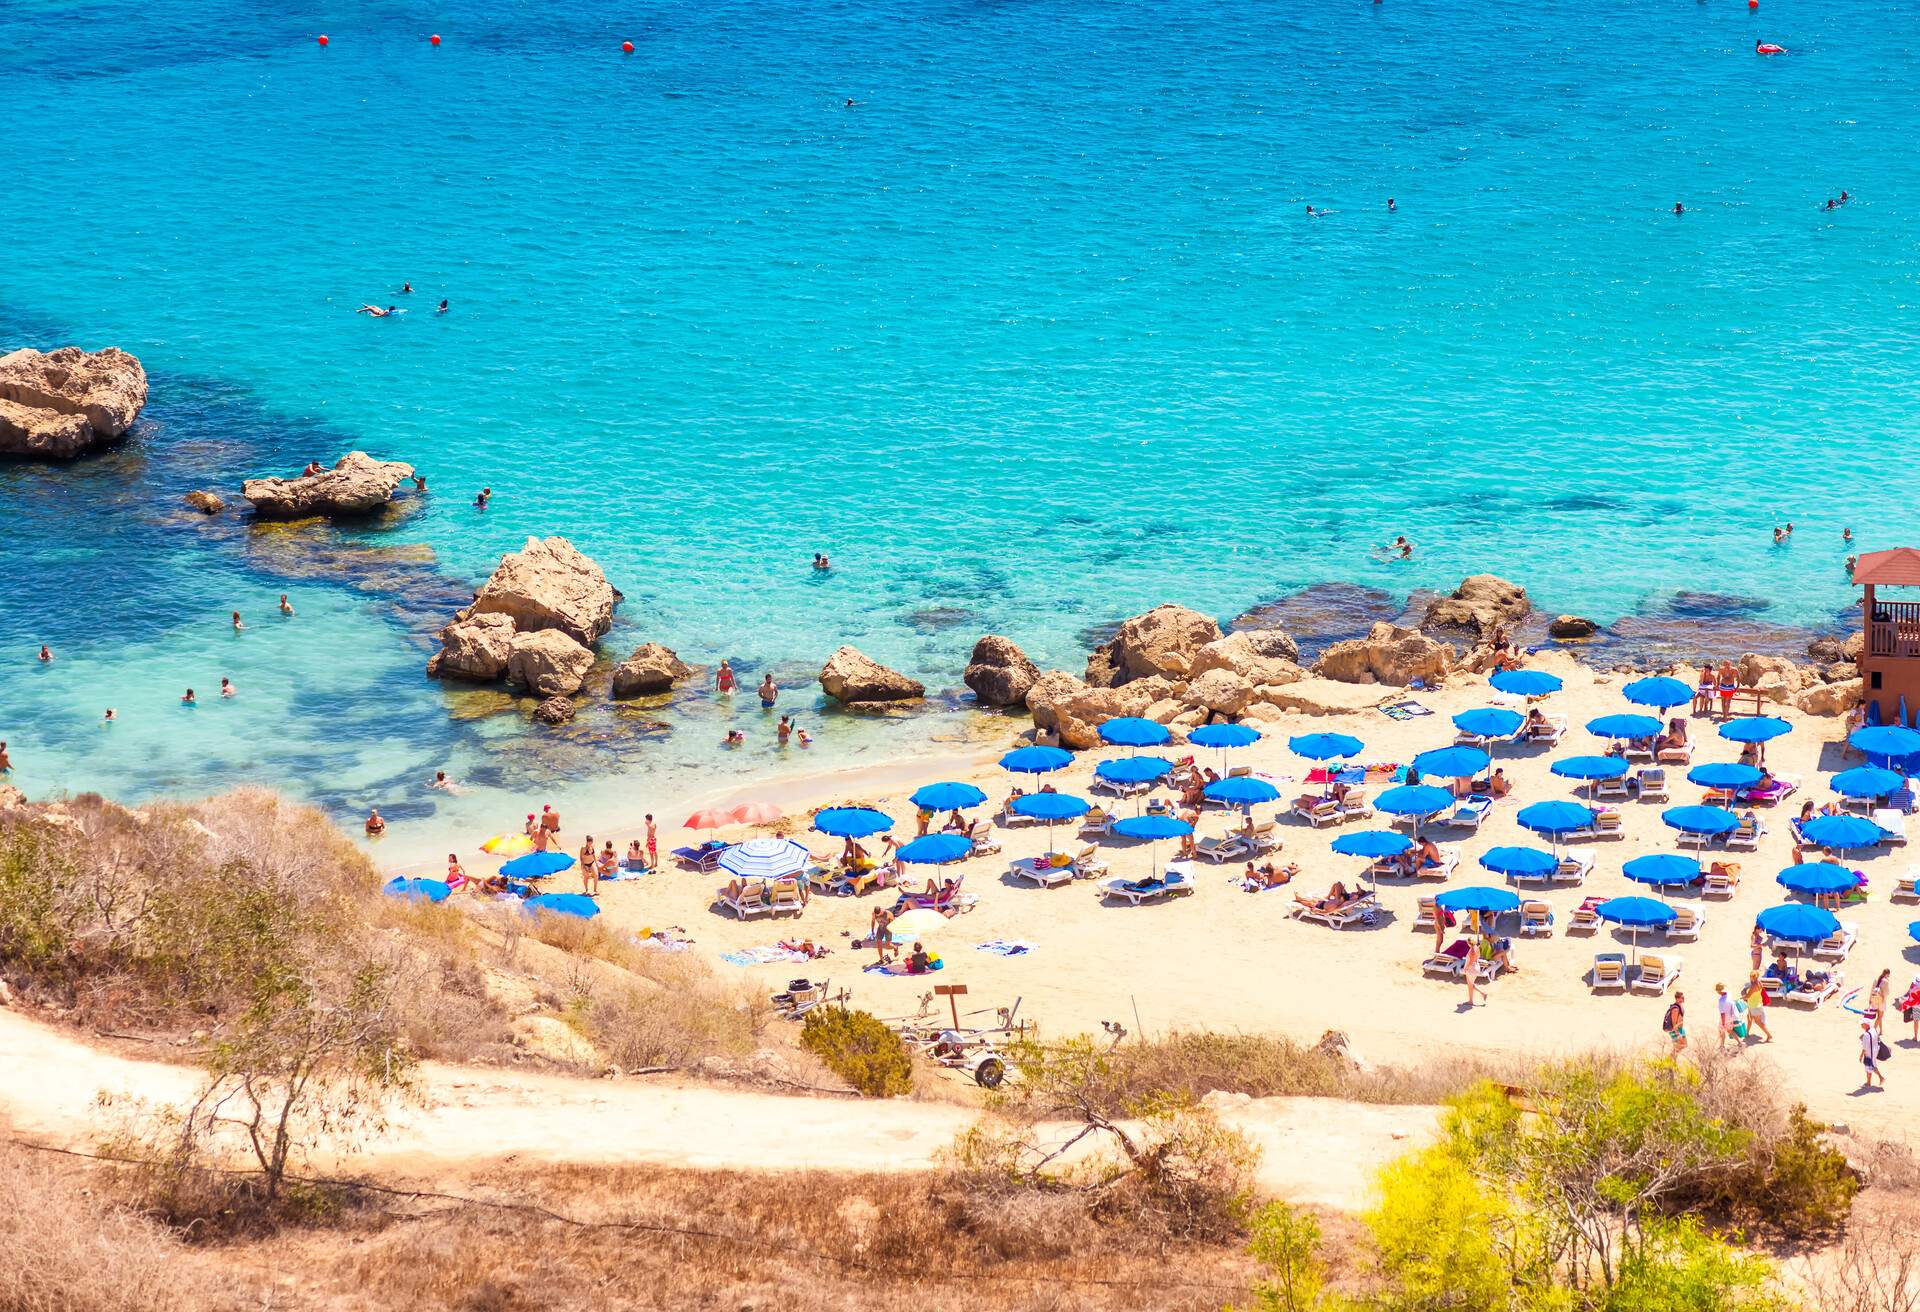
(205, 502)
(554, 710)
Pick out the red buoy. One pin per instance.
(435, 38)
(323, 38)
(627, 46)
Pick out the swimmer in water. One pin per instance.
(1403, 547)
(820, 560)
(486, 495)
(406, 289)
(1391, 207)
(441, 781)
(785, 729)
(440, 308)
(237, 625)
(1312, 213)
(851, 102)
(311, 468)
(377, 312)
(419, 482)
(1779, 535)
(226, 688)
(46, 653)
(110, 716)
(1830, 203)
(188, 699)
(6, 762)
(375, 825)
(1768, 48)
(1846, 535)
(1844, 198)
(1678, 208)
(286, 607)
(806, 739)
(735, 738)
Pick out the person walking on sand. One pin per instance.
(1729, 1016)
(653, 844)
(1472, 972)
(1870, 1055)
(1756, 1000)
(550, 821)
(1674, 1023)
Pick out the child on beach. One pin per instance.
(653, 844)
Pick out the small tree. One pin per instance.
(859, 1048)
(1286, 1243)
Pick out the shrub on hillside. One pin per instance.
(859, 1048)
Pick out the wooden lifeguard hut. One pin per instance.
(1890, 649)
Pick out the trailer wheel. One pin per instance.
(989, 1073)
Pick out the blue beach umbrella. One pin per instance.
(1224, 735)
(1657, 690)
(1725, 775)
(1050, 807)
(1842, 831)
(1885, 741)
(1519, 861)
(1133, 731)
(1639, 912)
(1413, 799)
(1590, 767)
(851, 822)
(765, 858)
(1754, 729)
(564, 904)
(1700, 819)
(1372, 843)
(1818, 877)
(1133, 769)
(1479, 897)
(1036, 759)
(947, 797)
(1913, 930)
(1241, 790)
(1867, 781)
(1525, 683)
(1663, 870)
(1152, 828)
(935, 849)
(1624, 724)
(1489, 722)
(1325, 746)
(536, 865)
(1554, 817)
(1451, 762)
(1796, 922)
(433, 890)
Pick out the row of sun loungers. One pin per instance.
(1042, 873)
(1332, 810)
(1655, 972)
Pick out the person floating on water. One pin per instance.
(46, 653)
(379, 313)
(441, 308)
(480, 502)
(851, 102)
(1312, 213)
(110, 716)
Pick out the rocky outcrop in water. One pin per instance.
(554, 710)
(851, 678)
(1388, 654)
(58, 404)
(207, 503)
(999, 673)
(1481, 604)
(547, 662)
(474, 648)
(357, 485)
(1572, 626)
(550, 584)
(651, 669)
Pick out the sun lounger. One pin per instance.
(952, 902)
(984, 843)
(1120, 787)
(1584, 917)
(1468, 815)
(1448, 867)
(1612, 790)
(1747, 837)
(1040, 872)
(1233, 847)
(1325, 811)
(783, 895)
(705, 858)
(1352, 912)
(1903, 887)
(1087, 863)
(1770, 793)
(1836, 947)
(1606, 824)
(1008, 818)
(1675, 754)
(1902, 800)
(1721, 881)
(751, 902)
(1171, 883)
(1810, 995)
(1536, 918)
(1894, 824)
(1449, 962)
(1685, 925)
(1609, 972)
(1465, 739)
(1658, 971)
(1097, 821)
(1355, 806)
(1640, 749)
(1429, 914)
(1650, 784)
(1550, 733)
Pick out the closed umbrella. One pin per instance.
(1525, 683)
(1867, 781)
(1051, 807)
(1636, 913)
(1451, 762)
(564, 904)
(1489, 722)
(431, 890)
(536, 865)
(1325, 746)
(947, 797)
(1840, 832)
(851, 822)
(765, 858)
(1037, 759)
(1657, 690)
(1133, 731)
(1818, 878)
(1624, 724)
(1524, 861)
(1663, 870)
(1727, 776)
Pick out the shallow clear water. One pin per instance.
(1036, 335)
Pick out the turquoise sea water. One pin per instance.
(1034, 336)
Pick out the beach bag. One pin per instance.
(1883, 1052)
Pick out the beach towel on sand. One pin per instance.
(1404, 710)
(766, 956)
(1006, 947)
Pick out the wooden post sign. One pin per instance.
(951, 992)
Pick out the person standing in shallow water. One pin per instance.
(769, 692)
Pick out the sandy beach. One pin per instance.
(1231, 960)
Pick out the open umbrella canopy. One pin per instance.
(920, 922)
(1451, 762)
(1519, 861)
(1037, 759)
(1624, 724)
(1479, 897)
(507, 845)
(765, 858)
(536, 865)
(1413, 799)
(1133, 731)
(1374, 843)
(1325, 746)
(940, 849)
(1797, 922)
(1700, 819)
(1525, 683)
(1241, 790)
(1913, 930)
(1662, 869)
(851, 821)
(1152, 828)
(947, 797)
(1639, 912)
(1817, 877)
(565, 904)
(755, 813)
(1134, 769)
(712, 817)
(1489, 722)
(1754, 729)
(1725, 774)
(1050, 806)
(1868, 781)
(1224, 735)
(1554, 817)
(1885, 740)
(1590, 767)
(433, 890)
(1842, 831)
(1657, 690)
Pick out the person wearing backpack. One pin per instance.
(1675, 1023)
(1872, 1053)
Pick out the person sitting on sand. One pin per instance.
(375, 825)
(1498, 785)
(636, 856)
(918, 961)
(494, 883)
(609, 861)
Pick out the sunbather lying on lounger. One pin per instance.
(745, 890)
(1336, 898)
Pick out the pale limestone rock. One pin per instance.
(356, 485)
(1221, 691)
(548, 662)
(1830, 698)
(999, 673)
(651, 669)
(59, 403)
(1480, 604)
(476, 648)
(851, 676)
(549, 584)
(1388, 654)
(1163, 641)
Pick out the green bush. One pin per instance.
(860, 1049)
(1805, 1188)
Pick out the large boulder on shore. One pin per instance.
(651, 669)
(1256, 655)
(549, 584)
(1075, 710)
(547, 662)
(474, 648)
(851, 676)
(1220, 691)
(1388, 654)
(1163, 641)
(59, 403)
(1776, 678)
(1830, 698)
(1482, 603)
(999, 673)
(356, 485)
